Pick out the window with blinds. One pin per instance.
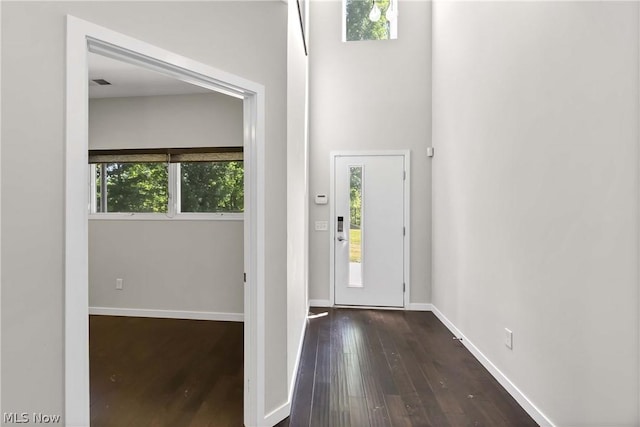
(167, 181)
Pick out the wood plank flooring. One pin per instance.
(392, 368)
(359, 368)
(165, 372)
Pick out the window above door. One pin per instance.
(369, 20)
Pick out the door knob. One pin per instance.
(341, 239)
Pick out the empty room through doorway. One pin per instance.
(166, 253)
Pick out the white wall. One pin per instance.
(0, 204)
(297, 191)
(535, 201)
(166, 264)
(196, 120)
(243, 38)
(371, 95)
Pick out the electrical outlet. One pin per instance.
(508, 338)
(119, 284)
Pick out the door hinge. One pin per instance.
(430, 151)
(404, 231)
(245, 277)
(404, 287)
(404, 175)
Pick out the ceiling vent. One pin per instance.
(101, 82)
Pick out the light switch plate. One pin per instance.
(508, 338)
(321, 225)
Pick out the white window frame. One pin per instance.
(173, 209)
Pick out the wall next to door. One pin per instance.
(371, 95)
(297, 191)
(536, 197)
(166, 264)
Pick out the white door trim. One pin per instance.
(82, 37)
(407, 217)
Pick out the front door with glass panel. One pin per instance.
(369, 230)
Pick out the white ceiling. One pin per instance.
(131, 80)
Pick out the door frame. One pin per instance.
(406, 154)
(84, 37)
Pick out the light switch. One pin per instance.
(321, 225)
(508, 338)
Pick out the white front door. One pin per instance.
(369, 230)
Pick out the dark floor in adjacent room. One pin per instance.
(394, 368)
(165, 372)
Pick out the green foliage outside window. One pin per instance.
(355, 196)
(144, 187)
(135, 187)
(212, 187)
(359, 27)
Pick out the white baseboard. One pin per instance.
(514, 391)
(277, 415)
(415, 306)
(167, 314)
(294, 377)
(368, 307)
(320, 303)
(283, 411)
(418, 306)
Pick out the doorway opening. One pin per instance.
(165, 249)
(82, 38)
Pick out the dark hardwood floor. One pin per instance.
(392, 368)
(165, 372)
(359, 368)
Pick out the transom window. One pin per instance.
(167, 183)
(370, 20)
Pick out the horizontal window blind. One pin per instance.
(167, 155)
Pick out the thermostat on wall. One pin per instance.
(321, 199)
